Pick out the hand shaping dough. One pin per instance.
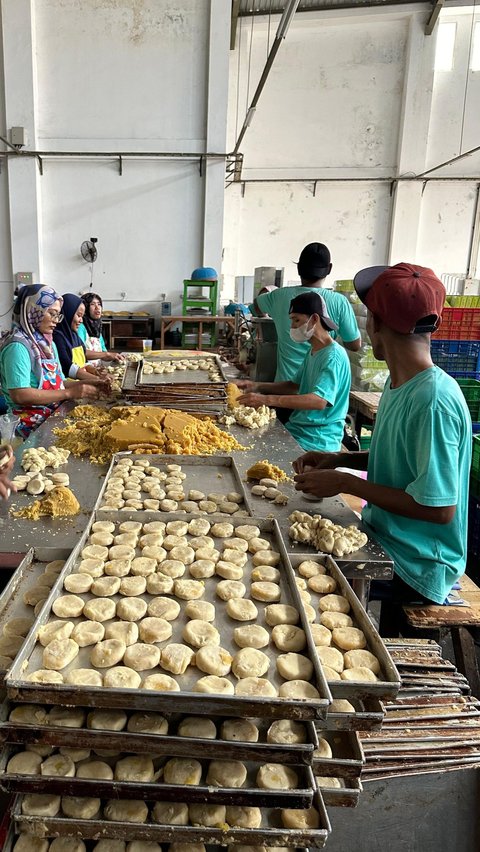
(287, 637)
(197, 726)
(226, 773)
(249, 662)
(182, 771)
(214, 685)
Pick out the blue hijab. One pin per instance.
(64, 336)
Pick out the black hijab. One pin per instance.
(65, 338)
(93, 326)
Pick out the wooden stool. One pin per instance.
(458, 620)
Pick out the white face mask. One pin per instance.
(302, 334)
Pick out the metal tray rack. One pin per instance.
(347, 759)
(180, 378)
(187, 701)
(270, 833)
(390, 684)
(369, 715)
(206, 473)
(345, 796)
(190, 394)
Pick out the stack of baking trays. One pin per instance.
(195, 383)
(171, 689)
(433, 725)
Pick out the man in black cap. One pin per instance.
(314, 264)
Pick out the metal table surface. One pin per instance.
(272, 442)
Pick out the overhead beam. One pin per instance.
(430, 25)
(234, 23)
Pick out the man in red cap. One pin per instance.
(419, 460)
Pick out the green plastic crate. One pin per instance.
(471, 391)
(365, 437)
(475, 468)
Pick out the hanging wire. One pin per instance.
(467, 78)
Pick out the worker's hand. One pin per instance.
(246, 384)
(115, 356)
(255, 400)
(320, 483)
(7, 461)
(83, 390)
(314, 460)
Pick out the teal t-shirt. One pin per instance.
(422, 443)
(290, 355)
(82, 333)
(16, 369)
(327, 374)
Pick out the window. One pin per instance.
(475, 60)
(445, 46)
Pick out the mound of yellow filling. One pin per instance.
(60, 502)
(265, 470)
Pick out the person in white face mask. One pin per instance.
(319, 392)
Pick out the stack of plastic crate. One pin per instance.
(368, 374)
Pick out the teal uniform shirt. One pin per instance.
(290, 355)
(82, 333)
(422, 443)
(327, 374)
(16, 369)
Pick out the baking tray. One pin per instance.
(24, 578)
(381, 689)
(249, 795)
(208, 474)
(19, 689)
(370, 560)
(171, 396)
(270, 833)
(347, 758)
(346, 796)
(369, 715)
(125, 741)
(180, 377)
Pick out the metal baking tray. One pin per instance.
(174, 396)
(371, 559)
(343, 797)
(347, 758)
(180, 377)
(185, 701)
(270, 833)
(206, 473)
(369, 715)
(380, 689)
(125, 741)
(249, 795)
(24, 578)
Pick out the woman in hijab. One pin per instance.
(30, 373)
(91, 331)
(71, 349)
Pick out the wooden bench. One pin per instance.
(457, 620)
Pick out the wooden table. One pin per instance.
(166, 323)
(364, 407)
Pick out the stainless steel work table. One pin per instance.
(272, 442)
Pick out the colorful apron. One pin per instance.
(31, 418)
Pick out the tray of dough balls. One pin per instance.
(30, 843)
(193, 484)
(50, 814)
(203, 371)
(283, 741)
(113, 774)
(355, 660)
(183, 615)
(365, 714)
(22, 598)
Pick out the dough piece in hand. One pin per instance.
(100, 609)
(142, 656)
(255, 686)
(176, 658)
(40, 804)
(126, 631)
(199, 633)
(105, 587)
(55, 630)
(251, 636)
(59, 653)
(164, 608)
(153, 629)
(203, 610)
(287, 732)
(107, 653)
(213, 660)
(239, 730)
(136, 768)
(222, 530)
(249, 662)
(88, 633)
(96, 769)
(298, 690)
(208, 816)
(131, 609)
(281, 614)
(93, 567)
(361, 659)
(228, 570)
(170, 813)
(322, 584)
(323, 749)
(335, 619)
(265, 573)
(172, 568)
(288, 637)
(68, 606)
(264, 591)
(147, 723)
(82, 807)
(202, 568)
(159, 584)
(294, 667)
(300, 819)
(121, 677)
(77, 583)
(228, 589)
(125, 810)
(179, 770)
(189, 590)
(349, 638)
(334, 603)
(360, 673)
(243, 817)
(275, 776)
(24, 763)
(107, 720)
(331, 657)
(226, 773)
(212, 684)
(241, 609)
(309, 568)
(197, 726)
(131, 587)
(44, 676)
(58, 765)
(84, 677)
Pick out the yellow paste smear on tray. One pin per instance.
(58, 503)
(265, 470)
(98, 433)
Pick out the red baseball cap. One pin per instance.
(407, 298)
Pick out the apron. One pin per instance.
(31, 418)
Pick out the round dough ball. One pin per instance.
(360, 673)
(93, 567)
(152, 527)
(300, 820)
(59, 653)
(172, 568)
(107, 720)
(54, 567)
(182, 770)
(213, 660)
(121, 677)
(171, 541)
(239, 730)
(335, 619)
(142, 566)
(323, 750)
(159, 584)
(154, 551)
(77, 583)
(294, 667)
(126, 631)
(28, 714)
(228, 570)
(266, 557)
(142, 656)
(103, 526)
(66, 717)
(183, 554)
(117, 567)
(136, 768)
(202, 568)
(164, 608)
(321, 635)
(259, 686)
(287, 732)
(265, 573)
(361, 659)
(95, 551)
(18, 626)
(281, 614)
(243, 817)
(202, 610)
(102, 538)
(55, 630)
(58, 765)
(68, 606)
(130, 587)
(189, 589)
(349, 638)
(82, 807)
(309, 568)
(199, 526)
(29, 843)
(96, 769)
(228, 589)
(147, 723)
(24, 763)
(199, 633)
(222, 530)
(322, 584)
(331, 657)
(128, 538)
(212, 684)
(125, 810)
(334, 603)
(105, 587)
(330, 674)
(40, 804)
(274, 776)
(121, 551)
(341, 705)
(226, 773)
(288, 637)
(153, 629)
(84, 677)
(101, 609)
(88, 633)
(207, 553)
(131, 609)
(44, 676)
(264, 591)
(298, 690)
(208, 506)
(107, 653)
(170, 813)
(210, 816)
(251, 636)
(249, 662)
(241, 610)
(110, 845)
(197, 726)
(176, 658)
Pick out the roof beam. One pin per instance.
(430, 25)
(233, 27)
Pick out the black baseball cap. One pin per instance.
(314, 261)
(310, 303)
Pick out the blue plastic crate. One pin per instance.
(459, 358)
